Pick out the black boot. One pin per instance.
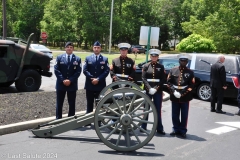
(238, 113)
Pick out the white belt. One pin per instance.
(179, 87)
(122, 75)
(153, 80)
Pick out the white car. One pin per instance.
(43, 49)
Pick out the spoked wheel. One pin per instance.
(129, 109)
(109, 88)
(204, 92)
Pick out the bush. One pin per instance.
(196, 43)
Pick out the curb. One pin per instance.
(21, 126)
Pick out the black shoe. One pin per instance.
(213, 110)
(87, 125)
(161, 132)
(183, 135)
(220, 111)
(173, 133)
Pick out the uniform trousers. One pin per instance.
(217, 95)
(91, 95)
(71, 96)
(157, 100)
(177, 108)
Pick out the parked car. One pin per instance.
(43, 49)
(201, 65)
(140, 49)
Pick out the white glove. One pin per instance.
(152, 91)
(177, 94)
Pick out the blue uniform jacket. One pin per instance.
(93, 69)
(71, 72)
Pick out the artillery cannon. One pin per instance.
(128, 107)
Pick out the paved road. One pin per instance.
(210, 136)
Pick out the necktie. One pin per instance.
(96, 58)
(69, 62)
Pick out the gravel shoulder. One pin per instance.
(20, 107)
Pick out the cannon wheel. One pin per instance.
(118, 83)
(130, 113)
(110, 87)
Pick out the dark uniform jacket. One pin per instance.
(153, 76)
(71, 72)
(181, 79)
(93, 69)
(218, 75)
(123, 68)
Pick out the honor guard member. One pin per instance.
(123, 67)
(153, 76)
(96, 69)
(180, 83)
(67, 70)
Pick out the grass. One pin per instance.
(140, 57)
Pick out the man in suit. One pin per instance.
(67, 69)
(96, 69)
(218, 84)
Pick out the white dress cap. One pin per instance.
(124, 45)
(155, 52)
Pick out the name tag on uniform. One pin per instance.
(75, 63)
(61, 62)
(102, 62)
(128, 65)
(89, 62)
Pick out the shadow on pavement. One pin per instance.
(133, 153)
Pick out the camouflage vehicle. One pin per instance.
(22, 65)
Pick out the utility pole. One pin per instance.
(110, 36)
(4, 19)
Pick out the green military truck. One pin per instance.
(23, 66)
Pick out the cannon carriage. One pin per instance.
(117, 118)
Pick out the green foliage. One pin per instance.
(218, 20)
(196, 43)
(85, 21)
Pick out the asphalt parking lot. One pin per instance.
(210, 136)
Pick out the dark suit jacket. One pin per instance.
(93, 69)
(218, 75)
(71, 72)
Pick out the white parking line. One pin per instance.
(221, 130)
(232, 124)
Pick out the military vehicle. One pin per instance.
(22, 65)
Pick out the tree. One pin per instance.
(60, 20)
(196, 43)
(24, 17)
(219, 23)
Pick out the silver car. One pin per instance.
(43, 49)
